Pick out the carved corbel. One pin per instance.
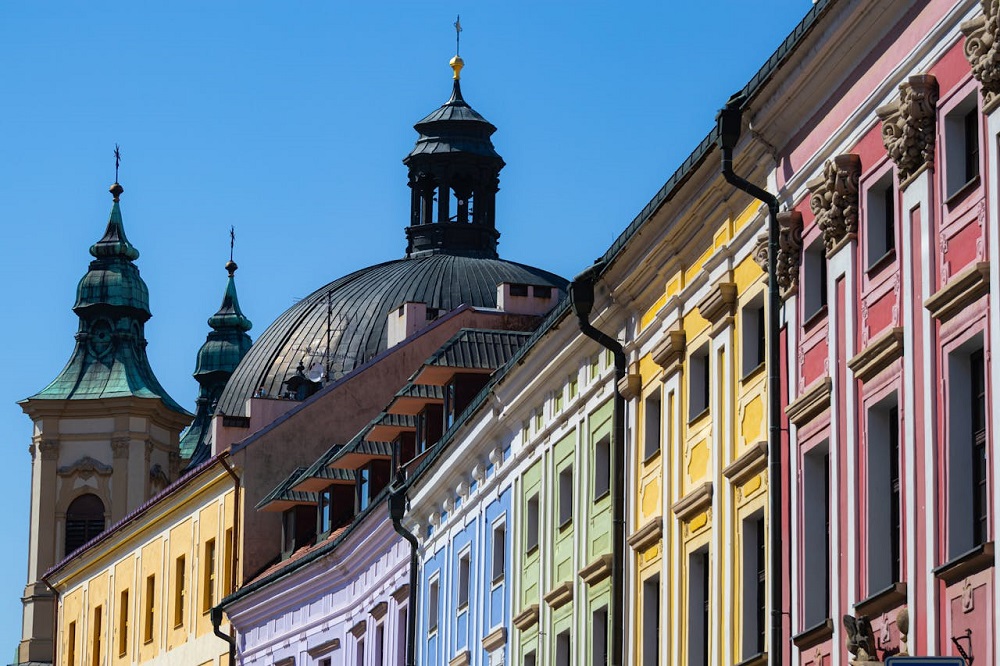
(120, 447)
(983, 51)
(49, 448)
(908, 127)
(719, 306)
(833, 198)
(669, 352)
(789, 252)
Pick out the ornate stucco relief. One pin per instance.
(983, 51)
(908, 126)
(833, 198)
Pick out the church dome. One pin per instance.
(451, 260)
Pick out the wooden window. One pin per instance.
(208, 577)
(814, 266)
(180, 591)
(149, 614)
(123, 624)
(884, 508)
(754, 336)
(563, 649)
(84, 521)
(71, 644)
(816, 537)
(95, 653)
(980, 469)
(880, 218)
(961, 143)
(968, 468)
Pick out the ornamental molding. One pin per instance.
(85, 468)
(669, 352)
(810, 404)
(560, 595)
(982, 50)
(49, 448)
(402, 593)
(646, 536)
(158, 477)
(908, 127)
(461, 659)
(878, 354)
(526, 618)
(696, 502)
(759, 252)
(749, 464)
(358, 630)
(860, 640)
(789, 252)
(833, 198)
(495, 640)
(379, 610)
(719, 306)
(596, 571)
(962, 290)
(629, 385)
(120, 447)
(324, 647)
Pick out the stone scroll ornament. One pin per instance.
(983, 52)
(789, 251)
(908, 126)
(834, 200)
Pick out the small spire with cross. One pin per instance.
(116, 189)
(458, 34)
(231, 265)
(457, 63)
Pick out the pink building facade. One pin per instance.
(891, 180)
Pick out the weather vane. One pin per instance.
(458, 33)
(118, 160)
(232, 240)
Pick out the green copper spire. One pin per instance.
(112, 302)
(225, 347)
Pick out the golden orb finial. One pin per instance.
(456, 66)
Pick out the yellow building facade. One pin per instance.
(143, 591)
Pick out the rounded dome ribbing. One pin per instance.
(360, 304)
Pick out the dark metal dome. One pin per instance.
(359, 305)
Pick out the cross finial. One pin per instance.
(231, 265)
(118, 160)
(458, 34)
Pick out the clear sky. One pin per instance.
(290, 120)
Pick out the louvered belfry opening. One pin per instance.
(84, 521)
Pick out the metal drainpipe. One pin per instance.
(217, 611)
(55, 617)
(730, 121)
(216, 624)
(397, 509)
(582, 298)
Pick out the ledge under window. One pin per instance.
(966, 564)
(882, 262)
(815, 317)
(814, 635)
(882, 601)
(759, 659)
(958, 194)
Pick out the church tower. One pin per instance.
(106, 434)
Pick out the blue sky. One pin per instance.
(290, 120)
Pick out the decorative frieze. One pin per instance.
(908, 126)
(833, 198)
(983, 51)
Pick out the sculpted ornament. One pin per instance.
(981, 50)
(908, 126)
(860, 640)
(789, 252)
(834, 200)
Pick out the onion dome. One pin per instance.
(112, 303)
(451, 260)
(225, 347)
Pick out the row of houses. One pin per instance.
(597, 479)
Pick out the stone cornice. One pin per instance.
(630, 385)
(833, 198)
(560, 595)
(963, 289)
(379, 610)
(322, 648)
(646, 536)
(358, 630)
(811, 403)
(749, 464)
(495, 640)
(401, 593)
(526, 618)
(908, 127)
(878, 354)
(697, 501)
(596, 571)
(460, 659)
(719, 305)
(669, 351)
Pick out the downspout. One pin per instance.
(217, 610)
(582, 299)
(730, 121)
(397, 509)
(55, 616)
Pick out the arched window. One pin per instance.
(84, 521)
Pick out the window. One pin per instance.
(563, 649)
(651, 423)
(816, 542)
(227, 564)
(961, 136)
(449, 405)
(401, 620)
(208, 577)
(880, 218)
(364, 483)
(84, 521)
(814, 265)
(754, 585)
(566, 496)
(71, 644)
(149, 616)
(599, 646)
(529, 659)
(754, 335)
(179, 591)
(542, 292)
(698, 602)
(95, 653)
(433, 593)
(360, 654)
(595, 367)
(463, 581)
(538, 420)
(499, 552)
(651, 621)
(324, 510)
(379, 644)
(602, 467)
(574, 386)
(884, 533)
(123, 624)
(288, 532)
(968, 492)
(557, 402)
(531, 523)
(518, 289)
(698, 388)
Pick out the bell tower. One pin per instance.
(106, 433)
(454, 176)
